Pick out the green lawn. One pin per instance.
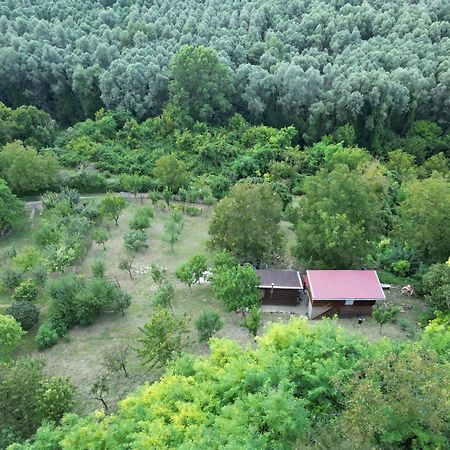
(79, 357)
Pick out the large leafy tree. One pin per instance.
(171, 173)
(340, 218)
(200, 84)
(424, 217)
(11, 208)
(247, 222)
(436, 284)
(26, 171)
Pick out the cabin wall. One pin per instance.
(279, 296)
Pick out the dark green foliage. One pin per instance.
(135, 240)
(25, 313)
(98, 269)
(46, 336)
(207, 324)
(385, 313)
(100, 236)
(141, 219)
(252, 320)
(29, 397)
(39, 275)
(11, 277)
(164, 295)
(436, 284)
(25, 292)
(191, 271)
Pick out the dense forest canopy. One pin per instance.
(375, 64)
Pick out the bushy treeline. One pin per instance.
(317, 64)
(310, 387)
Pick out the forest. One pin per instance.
(153, 154)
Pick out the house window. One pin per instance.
(349, 302)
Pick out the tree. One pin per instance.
(158, 274)
(141, 219)
(98, 269)
(126, 264)
(191, 271)
(341, 217)
(173, 228)
(10, 335)
(167, 195)
(135, 240)
(384, 313)
(26, 291)
(246, 222)
(132, 183)
(253, 320)
(423, 216)
(25, 313)
(26, 171)
(436, 285)
(236, 288)
(170, 172)
(116, 358)
(112, 206)
(208, 323)
(100, 389)
(29, 397)
(164, 295)
(11, 208)
(200, 85)
(162, 338)
(119, 301)
(100, 236)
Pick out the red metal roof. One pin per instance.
(344, 284)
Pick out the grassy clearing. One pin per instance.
(80, 356)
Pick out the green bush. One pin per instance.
(27, 259)
(11, 277)
(98, 269)
(135, 240)
(401, 267)
(140, 220)
(27, 291)
(252, 320)
(26, 313)
(207, 324)
(192, 211)
(46, 336)
(39, 275)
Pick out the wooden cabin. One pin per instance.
(279, 287)
(342, 292)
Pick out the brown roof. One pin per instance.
(282, 279)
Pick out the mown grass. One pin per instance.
(79, 357)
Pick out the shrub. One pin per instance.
(252, 320)
(164, 295)
(26, 313)
(135, 240)
(401, 267)
(46, 336)
(140, 220)
(27, 259)
(11, 277)
(26, 292)
(207, 324)
(39, 275)
(98, 269)
(192, 211)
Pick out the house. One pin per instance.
(279, 287)
(342, 292)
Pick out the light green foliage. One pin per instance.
(100, 236)
(26, 171)
(162, 339)
(340, 217)
(154, 196)
(173, 228)
(246, 222)
(401, 267)
(223, 260)
(402, 164)
(191, 271)
(200, 84)
(436, 284)
(112, 206)
(171, 172)
(25, 292)
(424, 215)
(135, 240)
(11, 208)
(25, 313)
(29, 397)
(385, 313)
(158, 274)
(252, 320)
(132, 183)
(27, 259)
(236, 287)
(208, 323)
(10, 335)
